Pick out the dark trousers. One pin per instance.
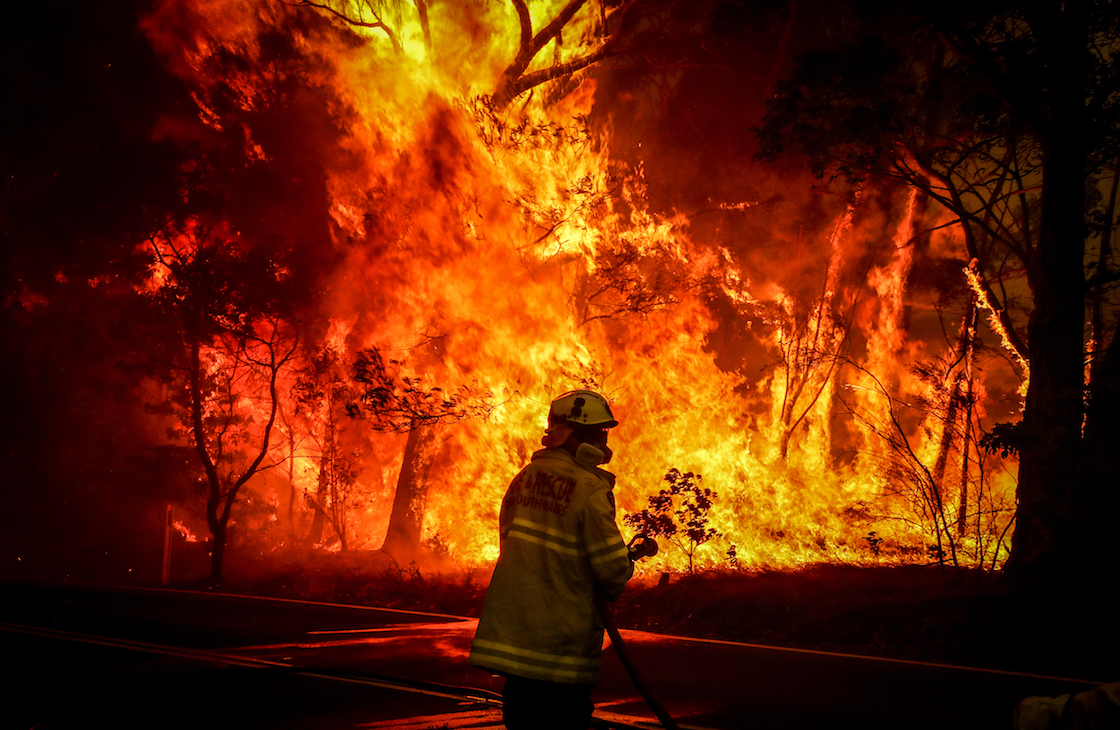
(532, 704)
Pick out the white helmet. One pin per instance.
(582, 408)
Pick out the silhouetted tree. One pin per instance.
(1005, 115)
(323, 393)
(390, 401)
(226, 345)
(517, 78)
(679, 513)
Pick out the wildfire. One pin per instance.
(496, 256)
(185, 531)
(996, 322)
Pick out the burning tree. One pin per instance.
(322, 398)
(948, 112)
(518, 77)
(227, 347)
(810, 339)
(919, 477)
(604, 224)
(391, 401)
(518, 233)
(374, 15)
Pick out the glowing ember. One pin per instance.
(184, 531)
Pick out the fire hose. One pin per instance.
(646, 547)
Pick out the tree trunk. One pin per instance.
(1102, 458)
(402, 539)
(968, 342)
(966, 432)
(214, 483)
(1102, 422)
(315, 534)
(1045, 542)
(217, 553)
(948, 432)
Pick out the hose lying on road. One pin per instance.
(659, 710)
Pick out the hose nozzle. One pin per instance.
(642, 546)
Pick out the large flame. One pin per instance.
(507, 253)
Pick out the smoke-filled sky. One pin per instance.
(610, 230)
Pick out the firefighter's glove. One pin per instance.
(642, 546)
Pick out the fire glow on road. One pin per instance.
(710, 684)
(410, 686)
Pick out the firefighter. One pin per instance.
(1097, 709)
(559, 544)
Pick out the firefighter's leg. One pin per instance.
(530, 704)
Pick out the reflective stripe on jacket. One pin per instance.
(559, 541)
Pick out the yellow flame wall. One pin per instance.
(473, 253)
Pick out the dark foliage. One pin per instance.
(678, 513)
(391, 401)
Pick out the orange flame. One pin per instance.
(505, 251)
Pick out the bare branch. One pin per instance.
(514, 81)
(376, 23)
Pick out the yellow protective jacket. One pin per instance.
(559, 541)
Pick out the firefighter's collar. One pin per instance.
(587, 457)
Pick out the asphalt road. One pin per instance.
(87, 656)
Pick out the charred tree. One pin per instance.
(403, 537)
(949, 112)
(517, 78)
(389, 400)
(226, 347)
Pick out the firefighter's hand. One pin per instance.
(642, 546)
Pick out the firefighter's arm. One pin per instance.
(607, 551)
(1095, 709)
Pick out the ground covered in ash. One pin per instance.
(925, 613)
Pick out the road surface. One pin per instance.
(85, 656)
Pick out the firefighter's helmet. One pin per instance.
(582, 408)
